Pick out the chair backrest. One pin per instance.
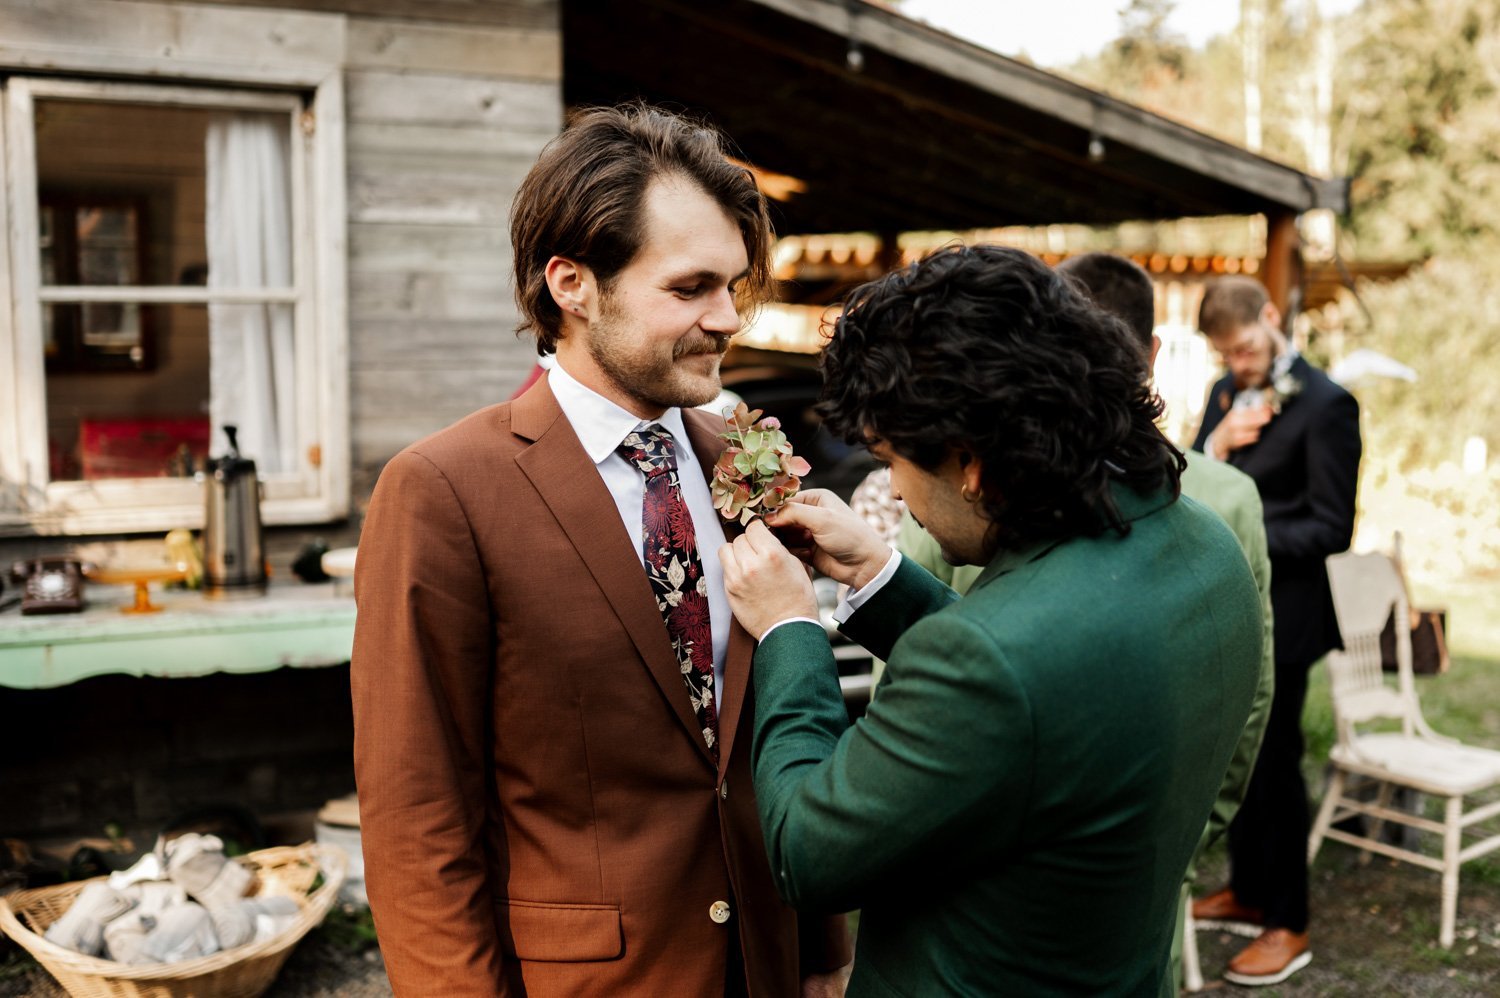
(1367, 590)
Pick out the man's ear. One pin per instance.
(972, 470)
(572, 286)
(1271, 316)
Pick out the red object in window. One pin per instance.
(143, 447)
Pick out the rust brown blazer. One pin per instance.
(539, 812)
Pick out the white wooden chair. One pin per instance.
(1366, 589)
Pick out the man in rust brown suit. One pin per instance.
(550, 694)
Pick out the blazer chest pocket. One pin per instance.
(559, 933)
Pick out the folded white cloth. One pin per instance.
(125, 937)
(252, 920)
(197, 864)
(153, 897)
(81, 927)
(276, 915)
(148, 867)
(183, 932)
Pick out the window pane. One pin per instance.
(134, 195)
(127, 184)
(104, 424)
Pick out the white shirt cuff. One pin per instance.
(855, 598)
(790, 620)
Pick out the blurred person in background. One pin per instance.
(1295, 432)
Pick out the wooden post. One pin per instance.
(890, 252)
(1282, 271)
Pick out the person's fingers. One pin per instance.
(814, 497)
(806, 497)
(797, 540)
(760, 539)
(792, 514)
(730, 565)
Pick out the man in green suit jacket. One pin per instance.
(1014, 812)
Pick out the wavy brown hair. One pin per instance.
(584, 200)
(985, 349)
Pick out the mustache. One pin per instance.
(710, 343)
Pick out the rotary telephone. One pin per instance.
(50, 585)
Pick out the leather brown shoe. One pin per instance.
(1274, 956)
(1221, 911)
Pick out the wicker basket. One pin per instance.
(243, 972)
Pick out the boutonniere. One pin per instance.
(757, 471)
(1285, 386)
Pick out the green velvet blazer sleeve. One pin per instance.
(1249, 528)
(942, 758)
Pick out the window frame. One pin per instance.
(318, 490)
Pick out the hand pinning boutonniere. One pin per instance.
(757, 471)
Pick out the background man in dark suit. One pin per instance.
(1286, 425)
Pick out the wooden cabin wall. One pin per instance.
(443, 122)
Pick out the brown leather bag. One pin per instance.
(1429, 642)
(1429, 628)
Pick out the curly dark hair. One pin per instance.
(985, 349)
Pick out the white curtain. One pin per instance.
(251, 376)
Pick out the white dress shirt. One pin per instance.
(602, 426)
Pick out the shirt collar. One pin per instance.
(1283, 364)
(600, 424)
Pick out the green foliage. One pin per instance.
(15, 966)
(350, 929)
(1438, 320)
(1418, 101)
(1206, 87)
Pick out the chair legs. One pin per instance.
(1192, 972)
(1452, 844)
(1377, 825)
(1325, 813)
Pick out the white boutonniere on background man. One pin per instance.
(1249, 410)
(1280, 388)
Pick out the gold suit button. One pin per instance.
(719, 911)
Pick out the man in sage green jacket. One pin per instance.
(1014, 813)
(1122, 288)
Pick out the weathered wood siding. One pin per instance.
(443, 122)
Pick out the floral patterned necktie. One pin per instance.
(676, 575)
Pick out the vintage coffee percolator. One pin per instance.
(234, 561)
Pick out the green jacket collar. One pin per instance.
(1132, 505)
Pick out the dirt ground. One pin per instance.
(1374, 933)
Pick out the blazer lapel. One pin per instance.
(703, 430)
(560, 470)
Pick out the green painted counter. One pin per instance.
(293, 624)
